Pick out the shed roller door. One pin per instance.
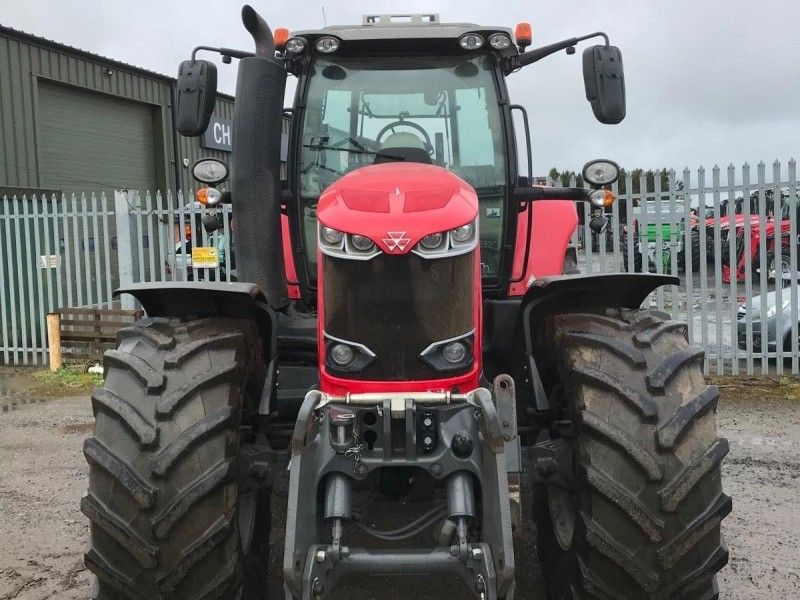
(95, 142)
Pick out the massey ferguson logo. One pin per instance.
(397, 241)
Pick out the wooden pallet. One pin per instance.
(83, 334)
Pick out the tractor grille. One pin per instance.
(397, 306)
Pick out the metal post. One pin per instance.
(124, 255)
(793, 256)
(701, 206)
(718, 292)
(777, 220)
(748, 267)
(687, 253)
(734, 296)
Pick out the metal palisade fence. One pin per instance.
(59, 251)
(730, 236)
(732, 239)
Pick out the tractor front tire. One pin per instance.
(641, 516)
(171, 514)
(695, 244)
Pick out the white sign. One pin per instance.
(218, 135)
(48, 262)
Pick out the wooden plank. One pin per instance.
(136, 314)
(86, 323)
(86, 335)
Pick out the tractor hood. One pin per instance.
(397, 204)
(738, 221)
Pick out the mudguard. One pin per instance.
(182, 299)
(571, 293)
(626, 290)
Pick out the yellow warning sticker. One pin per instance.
(205, 257)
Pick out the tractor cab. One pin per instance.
(403, 92)
(407, 88)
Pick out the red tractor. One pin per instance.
(426, 352)
(778, 263)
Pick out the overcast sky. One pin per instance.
(708, 81)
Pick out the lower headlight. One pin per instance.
(342, 354)
(454, 352)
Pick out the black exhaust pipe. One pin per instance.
(255, 168)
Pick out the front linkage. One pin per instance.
(460, 440)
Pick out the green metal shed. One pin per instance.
(74, 121)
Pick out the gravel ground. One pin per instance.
(43, 535)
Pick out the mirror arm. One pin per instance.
(223, 51)
(537, 54)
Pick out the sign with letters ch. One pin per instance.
(218, 135)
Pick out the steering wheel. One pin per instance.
(391, 127)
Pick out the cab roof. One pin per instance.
(401, 27)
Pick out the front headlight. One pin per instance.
(332, 236)
(327, 44)
(600, 172)
(459, 240)
(432, 241)
(499, 41)
(362, 243)
(470, 41)
(463, 234)
(773, 310)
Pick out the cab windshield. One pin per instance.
(443, 110)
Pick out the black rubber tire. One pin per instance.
(166, 499)
(637, 261)
(647, 499)
(695, 242)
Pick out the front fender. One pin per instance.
(624, 290)
(570, 293)
(194, 299)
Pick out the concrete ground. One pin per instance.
(43, 475)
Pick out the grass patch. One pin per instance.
(757, 387)
(67, 379)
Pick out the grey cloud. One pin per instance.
(708, 81)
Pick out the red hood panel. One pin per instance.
(409, 200)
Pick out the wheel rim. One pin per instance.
(563, 514)
(786, 268)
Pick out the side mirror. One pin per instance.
(605, 83)
(197, 93)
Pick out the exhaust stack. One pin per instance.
(255, 168)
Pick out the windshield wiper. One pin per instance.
(352, 150)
